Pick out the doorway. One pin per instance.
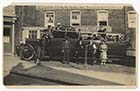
(7, 40)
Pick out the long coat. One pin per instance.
(67, 49)
(91, 50)
(80, 49)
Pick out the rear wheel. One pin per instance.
(26, 53)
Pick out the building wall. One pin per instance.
(25, 18)
(117, 21)
(117, 18)
(88, 18)
(29, 16)
(61, 16)
(131, 35)
(9, 10)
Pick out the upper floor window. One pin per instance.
(75, 18)
(49, 18)
(132, 19)
(102, 18)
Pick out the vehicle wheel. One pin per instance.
(26, 53)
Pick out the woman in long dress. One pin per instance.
(103, 53)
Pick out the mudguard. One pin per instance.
(27, 52)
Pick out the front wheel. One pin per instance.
(26, 53)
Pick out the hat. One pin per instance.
(49, 25)
(58, 23)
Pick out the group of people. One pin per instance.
(83, 50)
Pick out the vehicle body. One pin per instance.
(86, 35)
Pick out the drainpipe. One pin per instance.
(13, 35)
(20, 32)
(125, 19)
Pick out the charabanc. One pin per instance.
(52, 48)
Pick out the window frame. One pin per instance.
(71, 23)
(45, 23)
(107, 16)
(132, 11)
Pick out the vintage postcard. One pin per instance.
(70, 44)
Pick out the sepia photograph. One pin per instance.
(70, 44)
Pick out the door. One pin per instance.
(7, 40)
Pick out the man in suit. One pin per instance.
(80, 50)
(92, 51)
(66, 50)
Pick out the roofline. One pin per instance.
(72, 4)
(53, 6)
(10, 16)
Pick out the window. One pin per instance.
(72, 35)
(58, 34)
(75, 18)
(32, 34)
(102, 18)
(132, 21)
(6, 32)
(49, 18)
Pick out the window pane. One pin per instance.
(102, 23)
(30, 33)
(6, 32)
(75, 24)
(75, 18)
(35, 34)
(72, 35)
(58, 34)
(75, 15)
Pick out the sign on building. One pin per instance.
(132, 21)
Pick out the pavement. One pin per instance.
(71, 74)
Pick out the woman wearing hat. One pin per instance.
(103, 52)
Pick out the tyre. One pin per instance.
(26, 53)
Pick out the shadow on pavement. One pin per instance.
(18, 78)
